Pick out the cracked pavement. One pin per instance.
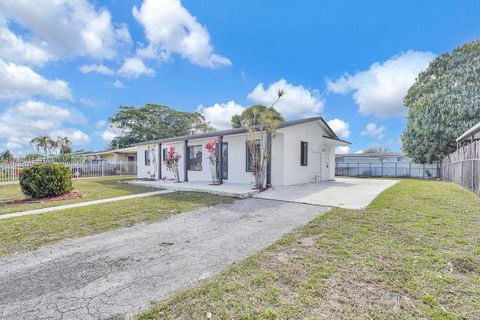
(114, 275)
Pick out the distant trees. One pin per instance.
(254, 115)
(6, 156)
(443, 103)
(50, 146)
(376, 149)
(153, 122)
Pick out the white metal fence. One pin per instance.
(463, 167)
(402, 169)
(10, 171)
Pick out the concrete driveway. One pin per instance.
(117, 274)
(349, 193)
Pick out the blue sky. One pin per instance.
(66, 67)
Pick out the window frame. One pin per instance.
(189, 160)
(147, 159)
(303, 153)
(164, 153)
(247, 153)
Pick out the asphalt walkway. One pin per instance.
(119, 273)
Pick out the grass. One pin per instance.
(96, 188)
(414, 253)
(30, 232)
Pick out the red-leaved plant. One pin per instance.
(171, 162)
(212, 149)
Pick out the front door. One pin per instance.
(131, 164)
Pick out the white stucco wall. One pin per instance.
(286, 168)
(293, 172)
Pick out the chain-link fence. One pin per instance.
(404, 169)
(463, 167)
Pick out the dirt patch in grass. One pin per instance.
(68, 196)
(412, 254)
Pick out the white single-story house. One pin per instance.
(302, 151)
(116, 155)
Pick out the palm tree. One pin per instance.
(64, 145)
(41, 143)
(53, 145)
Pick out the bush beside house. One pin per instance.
(46, 180)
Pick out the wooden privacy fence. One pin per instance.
(404, 169)
(10, 171)
(463, 167)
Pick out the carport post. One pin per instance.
(185, 161)
(269, 160)
(220, 160)
(160, 161)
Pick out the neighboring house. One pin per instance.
(371, 157)
(302, 151)
(469, 136)
(385, 164)
(115, 155)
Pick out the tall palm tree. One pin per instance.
(53, 145)
(64, 145)
(41, 143)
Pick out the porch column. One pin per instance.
(160, 161)
(185, 161)
(269, 160)
(220, 159)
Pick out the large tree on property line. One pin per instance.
(154, 121)
(443, 102)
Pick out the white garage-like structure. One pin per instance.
(302, 151)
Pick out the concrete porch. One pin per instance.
(237, 190)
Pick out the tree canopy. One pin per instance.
(6, 156)
(153, 122)
(255, 115)
(443, 103)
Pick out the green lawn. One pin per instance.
(95, 188)
(414, 253)
(30, 232)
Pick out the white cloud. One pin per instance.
(20, 82)
(342, 150)
(380, 89)
(98, 68)
(29, 119)
(15, 49)
(297, 101)
(110, 133)
(374, 131)
(220, 114)
(171, 29)
(68, 27)
(100, 124)
(134, 67)
(118, 84)
(76, 136)
(339, 127)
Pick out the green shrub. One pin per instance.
(46, 180)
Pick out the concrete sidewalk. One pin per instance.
(82, 204)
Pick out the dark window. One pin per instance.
(147, 157)
(224, 161)
(250, 151)
(164, 153)
(195, 158)
(303, 153)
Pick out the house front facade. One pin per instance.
(302, 151)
